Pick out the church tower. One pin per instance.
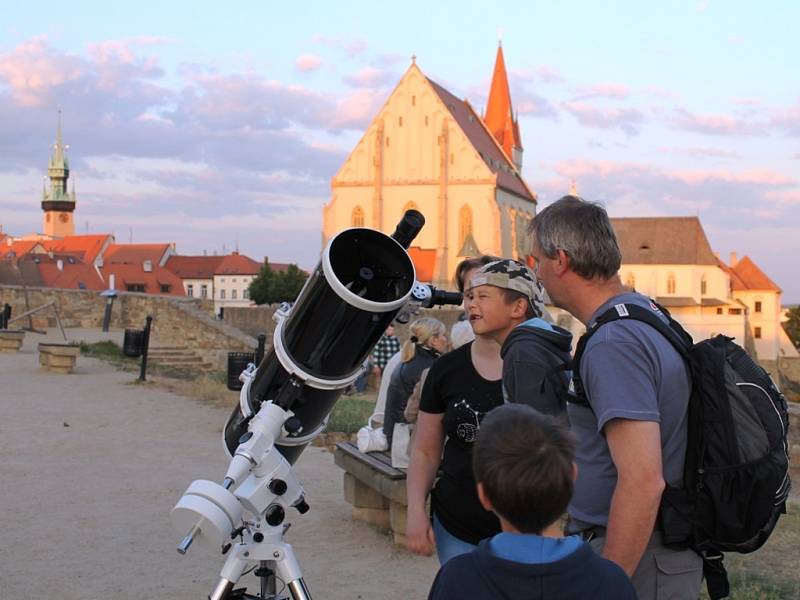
(499, 117)
(58, 204)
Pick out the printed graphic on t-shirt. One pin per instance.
(468, 421)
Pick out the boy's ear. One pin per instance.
(520, 308)
(487, 505)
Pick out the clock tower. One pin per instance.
(58, 204)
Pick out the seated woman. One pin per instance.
(428, 340)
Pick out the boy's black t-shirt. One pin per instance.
(454, 388)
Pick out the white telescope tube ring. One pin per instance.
(354, 299)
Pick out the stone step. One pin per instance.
(175, 360)
(162, 354)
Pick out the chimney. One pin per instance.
(147, 266)
(111, 282)
(734, 260)
(60, 264)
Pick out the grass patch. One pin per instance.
(769, 573)
(109, 352)
(350, 413)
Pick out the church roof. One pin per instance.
(499, 112)
(663, 241)
(85, 247)
(135, 253)
(750, 277)
(482, 140)
(424, 262)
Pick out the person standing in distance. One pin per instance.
(632, 434)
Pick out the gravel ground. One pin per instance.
(92, 464)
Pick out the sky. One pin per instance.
(220, 125)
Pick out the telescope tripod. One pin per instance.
(263, 544)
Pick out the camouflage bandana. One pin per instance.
(512, 275)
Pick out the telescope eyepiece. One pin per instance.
(408, 228)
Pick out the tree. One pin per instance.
(792, 325)
(274, 286)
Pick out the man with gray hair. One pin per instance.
(631, 418)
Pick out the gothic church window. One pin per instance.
(703, 285)
(357, 219)
(464, 224)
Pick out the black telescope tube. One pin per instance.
(363, 279)
(408, 227)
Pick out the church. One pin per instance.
(430, 150)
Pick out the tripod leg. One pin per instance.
(231, 572)
(299, 590)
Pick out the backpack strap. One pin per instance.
(672, 331)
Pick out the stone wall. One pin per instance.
(177, 321)
(255, 320)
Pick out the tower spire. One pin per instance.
(58, 204)
(500, 114)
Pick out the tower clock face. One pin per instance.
(63, 217)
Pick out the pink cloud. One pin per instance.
(368, 77)
(308, 62)
(628, 120)
(711, 152)
(34, 68)
(713, 124)
(357, 108)
(615, 91)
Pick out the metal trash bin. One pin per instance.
(237, 362)
(133, 343)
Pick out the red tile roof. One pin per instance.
(135, 253)
(85, 247)
(239, 264)
(484, 143)
(424, 262)
(126, 275)
(193, 267)
(18, 248)
(73, 274)
(753, 277)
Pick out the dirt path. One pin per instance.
(91, 466)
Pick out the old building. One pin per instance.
(430, 150)
(671, 260)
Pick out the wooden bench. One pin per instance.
(376, 490)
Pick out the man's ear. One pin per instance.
(483, 499)
(561, 262)
(574, 472)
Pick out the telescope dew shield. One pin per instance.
(362, 280)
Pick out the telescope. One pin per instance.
(364, 278)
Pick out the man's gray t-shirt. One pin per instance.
(629, 371)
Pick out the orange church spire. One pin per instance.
(499, 115)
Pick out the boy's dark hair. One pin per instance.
(524, 461)
(471, 263)
(511, 296)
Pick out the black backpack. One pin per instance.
(736, 473)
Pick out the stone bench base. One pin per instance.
(376, 492)
(58, 358)
(11, 340)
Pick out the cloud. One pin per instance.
(308, 62)
(369, 77)
(712, 152)
(615, 91)
(355, 110)
(548, 74)
(713, 124)
(787, 120)
(628, 120)
(352, 47)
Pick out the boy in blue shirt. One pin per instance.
(523, 465)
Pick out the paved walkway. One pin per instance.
(92, 464)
